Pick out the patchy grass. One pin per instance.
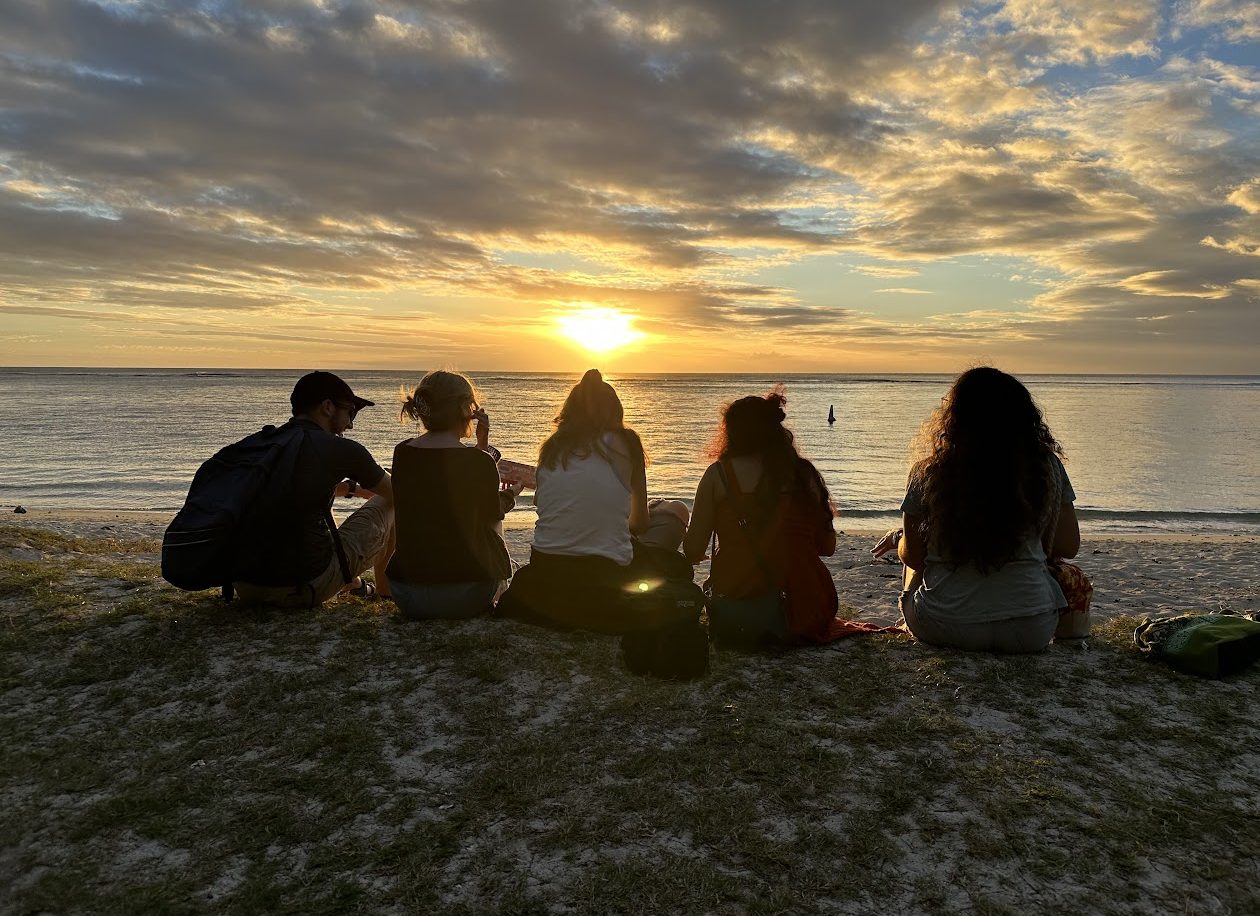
(165, 752)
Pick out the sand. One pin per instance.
(1146, 574)
(166, 752)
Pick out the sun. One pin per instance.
(599, 330)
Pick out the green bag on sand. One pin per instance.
(1211, 645)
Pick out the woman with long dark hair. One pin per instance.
(772, 516)
(591, 498)
(987, 504)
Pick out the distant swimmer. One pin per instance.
(831, 414)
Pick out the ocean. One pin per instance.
(1145, 453)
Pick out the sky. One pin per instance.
(704, 185)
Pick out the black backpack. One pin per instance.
(219, 534)
(677, 647)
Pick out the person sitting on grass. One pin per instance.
(985, 507)
(450, 559)
(295, 544)
(772, 516)
(592, 501)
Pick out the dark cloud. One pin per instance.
(240, 155)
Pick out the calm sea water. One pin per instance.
(1144, 452)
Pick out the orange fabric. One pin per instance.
(789, 541)
(840, 628)
(1076, 586)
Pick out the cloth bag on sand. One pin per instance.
(1074, 620)
(1211, 645)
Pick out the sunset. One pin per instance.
(682, 457)
(1065, 186)
(599, 331)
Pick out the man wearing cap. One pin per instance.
(328, 466)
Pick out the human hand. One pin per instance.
(483, 427)
(514, 487)
(888, 542)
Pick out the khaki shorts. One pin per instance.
(1015, 635)
(363, 537)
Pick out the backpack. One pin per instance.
(217, 534)
(673, 642)
(1211, 645)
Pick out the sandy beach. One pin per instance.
(167, 752)
(1152, 574)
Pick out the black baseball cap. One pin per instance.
(317, 387)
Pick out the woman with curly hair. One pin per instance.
(985, 508)
(772, 516)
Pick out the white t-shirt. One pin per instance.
(1021, 587)
(583, 510)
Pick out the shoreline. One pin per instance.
(151, 523)
(1155, 574)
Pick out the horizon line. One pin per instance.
(625, 372)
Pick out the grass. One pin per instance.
(164, 752)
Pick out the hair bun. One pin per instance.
(775, 401)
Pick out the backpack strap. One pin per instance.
(731, 482)
(341, 551)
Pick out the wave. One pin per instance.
(1121, 520)
(1160, 515)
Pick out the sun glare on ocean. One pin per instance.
(600, 330)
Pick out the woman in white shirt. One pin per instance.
(591, 498)
(985, 509)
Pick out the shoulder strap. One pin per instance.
(341, 551)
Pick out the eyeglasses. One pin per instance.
(353, 408)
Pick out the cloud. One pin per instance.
(905, 290)
(885, 272)
(1235, 20)
(265, 163)
(1171, 283)
(1246, 197)
(1083, 31)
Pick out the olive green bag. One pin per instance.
(1211, 645)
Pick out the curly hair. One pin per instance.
(986, 469)
(591, 409)
(754, 426)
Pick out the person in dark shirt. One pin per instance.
(451, 560)
(328, 466)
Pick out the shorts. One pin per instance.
(363, 536)
(446, 600)
(1012, 635)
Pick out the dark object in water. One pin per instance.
(19, 510)
(831, 414)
